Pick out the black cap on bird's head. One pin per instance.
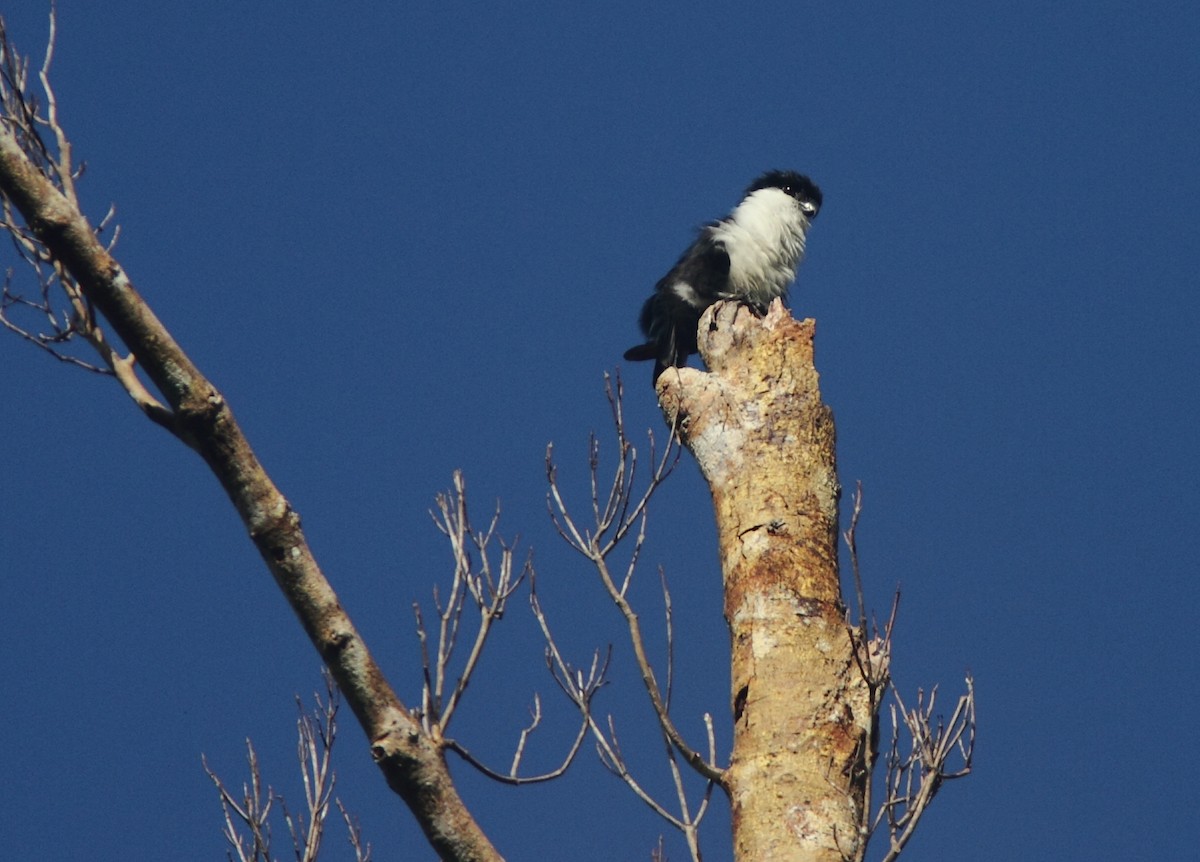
(797, 185)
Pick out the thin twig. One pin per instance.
(247, 820)
(488, 582)
(620, 512)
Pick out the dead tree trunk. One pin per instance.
(765, 443)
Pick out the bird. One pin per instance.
(750, 256)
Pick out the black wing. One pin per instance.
(704, 267)
(672, 313)
(698, 279)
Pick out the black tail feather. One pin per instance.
(642, 352)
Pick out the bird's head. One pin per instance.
(798, 186)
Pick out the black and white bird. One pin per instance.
(751, 256)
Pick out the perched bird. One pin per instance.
(751, 255)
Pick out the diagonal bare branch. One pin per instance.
(39, 191)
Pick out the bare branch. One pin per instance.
(53, 237)
(314, 749)
(362, 850)
(512, 777)
(579, 688)
(872, 652)
(623, 511)
(62, 166)
(535, 719)
(247, 821)
(24, 122)
(851, 539)
(428, 712)
(246, 826)
(487, 584)
(617, 512)
(608, 746)
(939, 750)
(670, 634)
(914, 776)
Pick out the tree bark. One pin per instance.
(765, 443)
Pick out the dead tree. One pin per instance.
(808, 677)
(802, 715)
(805, 683)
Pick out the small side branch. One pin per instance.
(618, 515)
(362, 848)
(58, 301)
(580, 687)
(247, 817)
(587, 690)
(619, 512)
(485, 582)
(939, 750)
(872, 654)
(314, 750)
(933, 750)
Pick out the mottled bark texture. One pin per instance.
(196, 412)
(765, 442)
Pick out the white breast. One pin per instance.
(764, 237)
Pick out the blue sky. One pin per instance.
(405, 239)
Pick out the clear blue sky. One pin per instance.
(409, 238)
